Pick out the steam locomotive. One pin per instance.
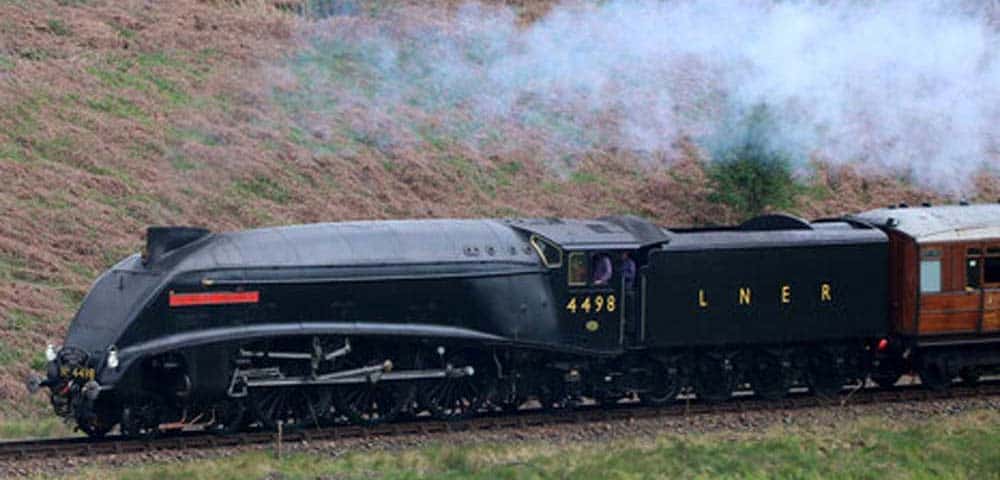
(364, 321)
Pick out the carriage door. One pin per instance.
(991, 289)
(593, 310)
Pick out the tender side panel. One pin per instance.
(766, 295)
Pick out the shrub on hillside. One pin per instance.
(748, 172)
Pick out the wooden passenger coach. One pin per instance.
(944, 291)
(946, 269)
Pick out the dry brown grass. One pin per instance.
(118, 115)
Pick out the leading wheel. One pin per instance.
(140, 420)
(95, 426)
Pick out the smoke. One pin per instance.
(912, 87)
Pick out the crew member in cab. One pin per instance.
(628, 270)
(602, 269)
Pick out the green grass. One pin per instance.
(123, 31)
(180, 162)
(7, 354)
(552, 187)
(964, 446)
(506, 172)
(12, 152)
(142, 74)
(57, 149)
(34, 427)
(117, 106)
(58, 27)
(263, 187)
(15, 269)
(199, 136)
(474, 174)
(20, 321)
(24, 115)
(582, 177)
(6, 63)
(34, 54)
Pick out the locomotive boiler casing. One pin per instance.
(451, 281)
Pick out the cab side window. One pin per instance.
(576, 272)
(930, 271)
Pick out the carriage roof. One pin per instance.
(946, 223)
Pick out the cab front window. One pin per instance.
(550, 254)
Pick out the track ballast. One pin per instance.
(12, 451)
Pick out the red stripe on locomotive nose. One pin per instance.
(212, 298)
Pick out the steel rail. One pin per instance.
(12, 451)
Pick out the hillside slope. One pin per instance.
(119, 115)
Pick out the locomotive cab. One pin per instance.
(593, 268)
(594, 313)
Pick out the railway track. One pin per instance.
(13, 451)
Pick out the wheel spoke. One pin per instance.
(370, 403)
(456, 397)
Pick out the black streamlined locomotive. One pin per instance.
(363, 321)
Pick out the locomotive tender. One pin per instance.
(365, 321)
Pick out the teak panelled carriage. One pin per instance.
(944, 297)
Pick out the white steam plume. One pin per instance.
(913, 86)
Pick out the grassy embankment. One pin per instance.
(963, 446)
(116, 115)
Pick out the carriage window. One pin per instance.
(930, 276)
(991, 266)
(551, 255)
(577, 271)
(973, 269)
(930, 270)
